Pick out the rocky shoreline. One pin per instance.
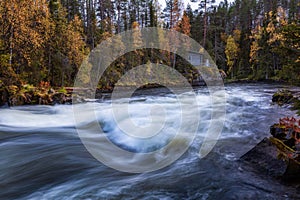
(29, 95)
(279, 155)
(44, 94)
(263, 158)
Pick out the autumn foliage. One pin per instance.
(47, 40)
(292, 125)
(287, 134)
(286, 138)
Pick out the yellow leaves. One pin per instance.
(270, 14)
(135, 25)
(273, 36)
(281, 16)
(270, 28)
(253, 51)
(237, 34)
(29, 24)
(232, 48)
(256, 36)
(136, 36)
(231, 51)
(76, 24)
(224, 37)
(74, 48)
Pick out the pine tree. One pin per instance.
(72, 8)
(265, 40)
(172, 13)
(66, 46)
(153, 10)
(204, 6)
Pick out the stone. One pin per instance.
(283, 97)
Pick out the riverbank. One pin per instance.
(44, 94)
(30, 95)
(246, 80)
(278, 155)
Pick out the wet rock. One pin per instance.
(58, 98)
(286, 135)
(51, 91)
(286, 139)
(283, 97)
(17, 100)
(277, 131)
(77, 99)
(275, 157)
(263, 158)
(292, 171)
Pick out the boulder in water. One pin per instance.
(283, 97)
(263, 158)
(278, 155)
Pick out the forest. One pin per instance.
(65, 133)
(45, 41)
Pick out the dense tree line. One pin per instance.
(46, 40)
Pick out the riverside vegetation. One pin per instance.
(46, 41)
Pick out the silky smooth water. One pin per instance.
(42, 157)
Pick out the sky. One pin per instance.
(194, 5)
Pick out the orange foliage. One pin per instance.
(44, 84)
(292, 123)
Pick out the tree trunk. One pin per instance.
(205, 24)
(11, 45)
(215, 46)
(174, 60)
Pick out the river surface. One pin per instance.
(42, 156)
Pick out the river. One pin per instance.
(42, 156)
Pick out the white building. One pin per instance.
(197, 59)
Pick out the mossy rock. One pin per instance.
(61, 98)
(283, 97)
(29, 95)
(17, 99)
(62, 90)
(278, 131)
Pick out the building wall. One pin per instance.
(195, 59)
